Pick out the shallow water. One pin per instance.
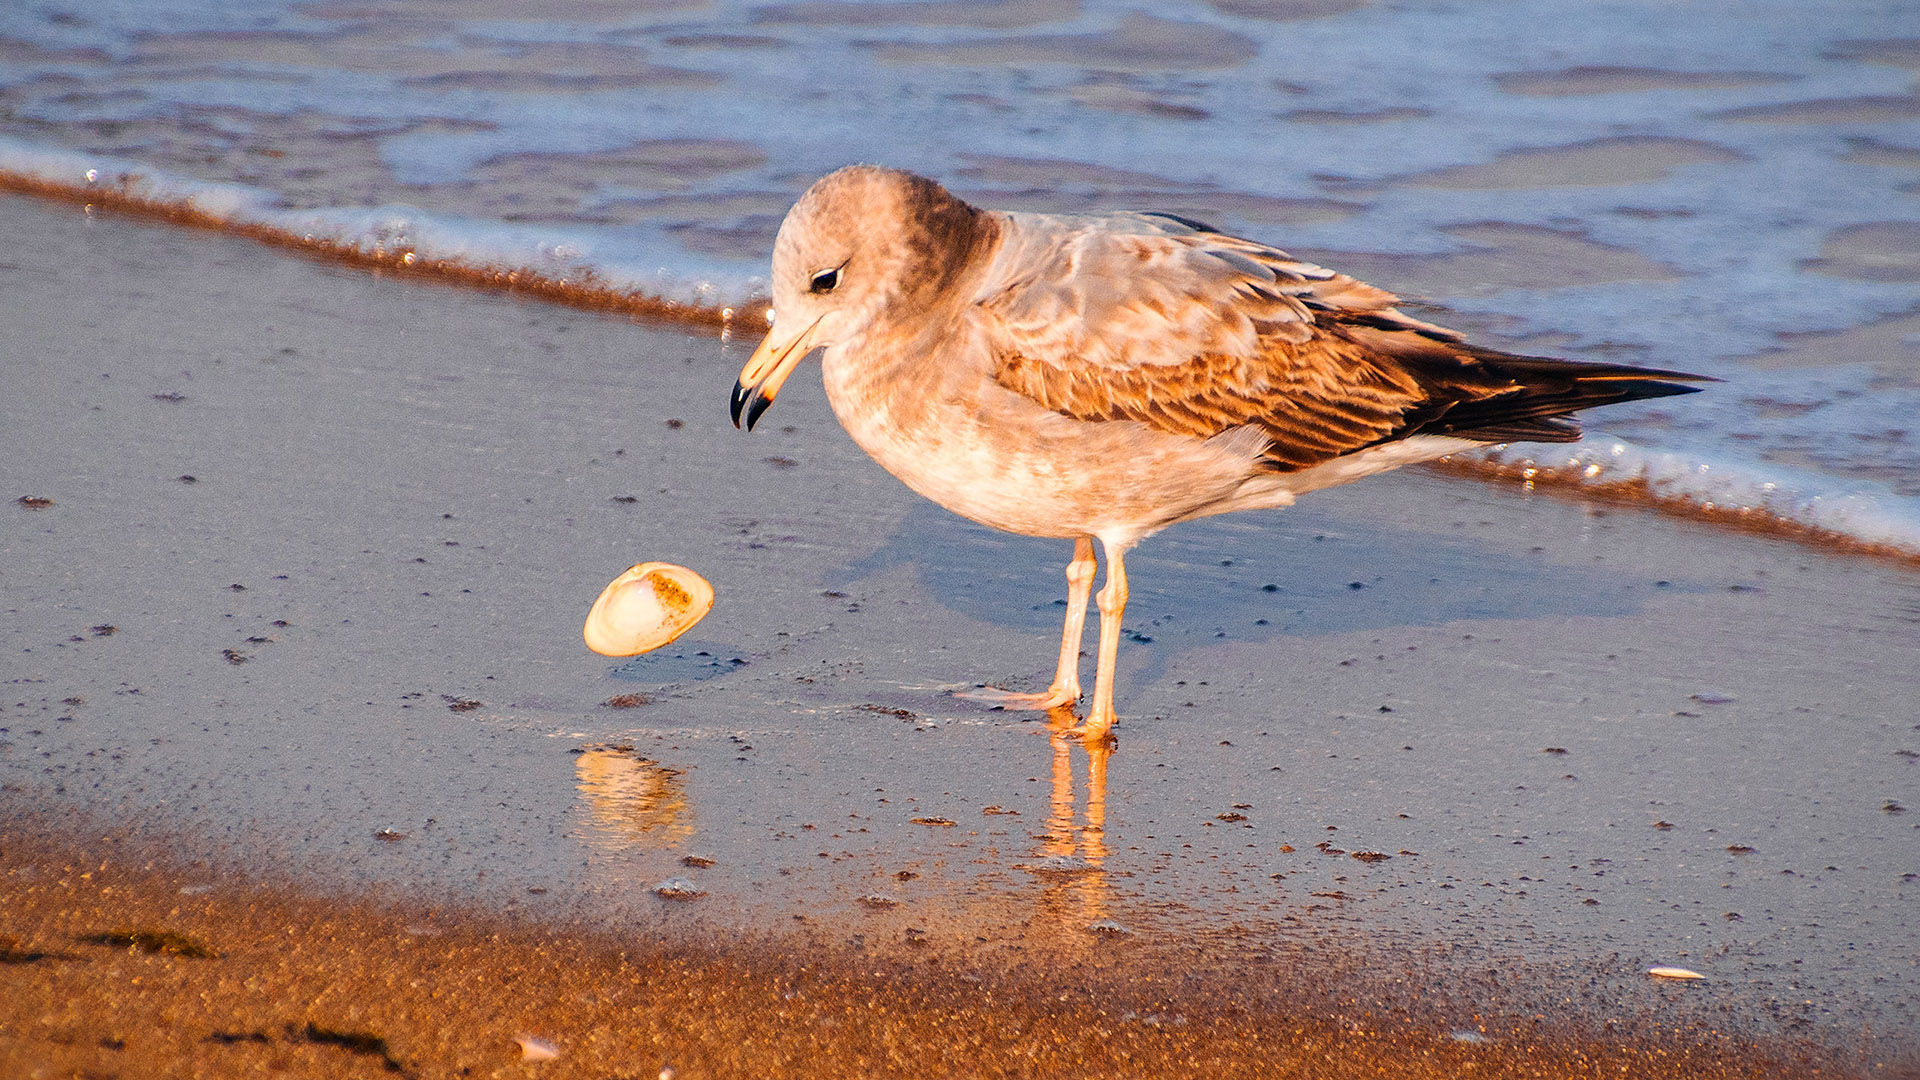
(349, 649)
(1721, 188)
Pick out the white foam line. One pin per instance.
(556, 253)
(1863, 510)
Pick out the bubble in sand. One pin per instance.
(678, 888)
(1059, 864)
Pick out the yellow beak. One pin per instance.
(767, 370)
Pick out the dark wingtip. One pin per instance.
(1675, 378)
(1641, 389)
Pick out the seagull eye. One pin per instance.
(825, 281)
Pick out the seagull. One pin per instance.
(1103, 376)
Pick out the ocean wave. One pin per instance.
(569, 266)
(1861, 518)
(581, 269)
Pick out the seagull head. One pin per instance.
(859, 242)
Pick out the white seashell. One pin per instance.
(1673, 973)
(645, 608)
(532, 1049)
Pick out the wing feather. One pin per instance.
(1161, 321)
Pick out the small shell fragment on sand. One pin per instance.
(1467, 1035)
(645, 608)
(1673, 973)
(532, 1049)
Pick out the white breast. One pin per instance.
(989, 454)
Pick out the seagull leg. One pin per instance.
(1113, 604)
(1066, 678)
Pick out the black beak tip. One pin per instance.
(740, 395)
(759, 405)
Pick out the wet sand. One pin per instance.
(114, 969)
(303, 604)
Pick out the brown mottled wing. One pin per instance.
(1191, 332)
(1315, 400)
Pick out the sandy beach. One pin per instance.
(1422, 774)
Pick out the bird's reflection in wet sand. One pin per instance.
(633, 801)
(1072, 854)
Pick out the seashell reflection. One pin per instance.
(634, 801)
(645, 608)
